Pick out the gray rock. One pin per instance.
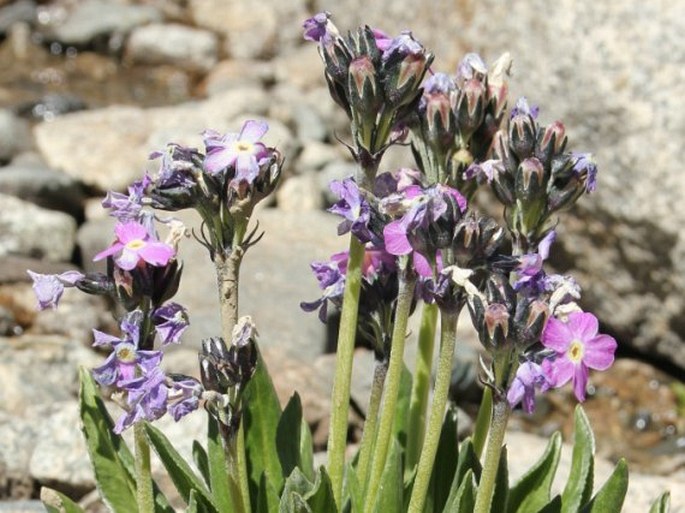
(316, 156)
(336, 170)
(174, 44)
(22, 507)
(13, 268)
(40, 370)
(237, 73)
(300, 193)
(92, 237)
(15, 136)
(94, 18)
(50, 106)
(308, 123)
(21, 11)
(275, 278)
(28, 230)
(252, 30)
(301, 67)
(44, 187)
(60, 458)
(18, 441)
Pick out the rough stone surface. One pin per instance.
(300, 193)
(14, 135)
(178, 45)
(45, 187)
(232, 73)
(28, 230)
(94, 18)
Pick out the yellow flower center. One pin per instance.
(575, 351)
(126, 353)
(135, 244)
(244, 147)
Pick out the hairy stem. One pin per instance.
(337, 439)
(371, 424)
(493, 450)
(480, 431)
(448, 326)
(418, 404)
(144, 495)
(405, 295)
(237, 475)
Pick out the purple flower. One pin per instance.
(127, 207)
(529, 376)
(401, 46)
(242, 151)
(170, 321)
(135, 243)
(184, 396)
(125, 361)
(331, 278)
(354, 208)
(50, 287)
(578, 348)
(529, 270)
(523, 109)
(383, 40)
(318, 28)
(146, 399)
(470, 67)
(176, 167)
(490, 170)
(586, 167)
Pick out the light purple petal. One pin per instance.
(218, 159)
(599, 352)
(580, 381)
(113, 249)
(157, 253)
(422, 265)
(253, 130)
(584, 326)
(246, 167)
(558, 371)
(557, 335)
(128, 260)
(546, 243)
(106, 374)
(127, 232)
(100, 338)
(69, 278)
(396, 242)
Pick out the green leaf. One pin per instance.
(390, 488)
(467, 461)
(352, 490)
(268, 500)
(306, 451)
(500, 496)
(321, 498)
(445, 465)
(288, 434)
(578, 489)
(662, 504)
(178, 468)
(56, 502)
(296, 487)
(261, 415)
(201, 461)
(217, 467)
(554, 506)
(401, 422)
(462, 499)
(532, 491)
(610, 497)
(111, 459)
(192, 502)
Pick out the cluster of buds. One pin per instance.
(373, 77)
(223, 185)
(457, 118)
(225, 373)
(532, 175)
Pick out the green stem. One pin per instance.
(237, 476)
(480, 431)
(405, 296)
(144, 496)
(371, 424)
(418, 404)
(337, 439)
(493, 450)
(448, 326)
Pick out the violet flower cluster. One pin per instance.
(429, 221)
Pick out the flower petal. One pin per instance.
(557, 335)
(253, 130)
(128, 259)
(114, 248)
(558, 371)
(157, 253)
(583, 325)
(599, 352)
(395, 235)
(580, 381)
(218, 159)
(130, 231)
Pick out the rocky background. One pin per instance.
(89, 87)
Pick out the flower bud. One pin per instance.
(530, 319)
(495, 329)
(362, 87)
(470, 107)
(476, 238)
(530, 180)
(551, 142)
(405, 62)
(522, 135)
(499, 290)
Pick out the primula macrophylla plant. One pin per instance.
(418, 240)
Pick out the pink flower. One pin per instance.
(135, 244)
(242, 150)
(579, 347)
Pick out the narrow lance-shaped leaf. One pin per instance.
(391, 486)
(500, 498)
(580, 480)
(56, 502)
(610, 497)
(201, 461)
(217, 466)
(662, 504)
(288, 435)
(445, 465)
